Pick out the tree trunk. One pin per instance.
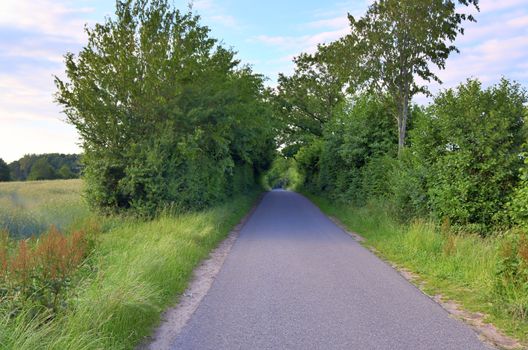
(402, 122)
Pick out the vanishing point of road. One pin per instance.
(294, 280)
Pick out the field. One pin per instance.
(135, 270)
(465, 268)
(29, 208)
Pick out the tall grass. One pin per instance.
(464, 267)
(29, 208)
(136, 271)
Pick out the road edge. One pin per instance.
(175, 318)
(487, 332)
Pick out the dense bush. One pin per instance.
(167, 116)
(511, 284)
(462, 162)
(518, 206)
(344, 163)
(470, 140)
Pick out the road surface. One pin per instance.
(294, 280)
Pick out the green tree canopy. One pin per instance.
(394, 43)
(306, 101)
(166, 114)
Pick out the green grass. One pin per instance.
(137, 270)
(460, 267)
(29, 208)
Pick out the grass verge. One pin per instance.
(136, 271)
(463, 268)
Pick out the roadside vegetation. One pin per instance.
(439, 189)
(102, 282)
(166, 114)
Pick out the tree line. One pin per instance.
(48, 166)
(349, 123)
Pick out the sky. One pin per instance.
(35, 34)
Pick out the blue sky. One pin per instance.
(34, 34)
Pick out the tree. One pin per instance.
(167, 116)
(21, 168)
(4, 171)
(396, 42)
(305, 101)
(42, 170)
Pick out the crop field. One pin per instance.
(30, 208)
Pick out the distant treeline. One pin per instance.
(41, 167)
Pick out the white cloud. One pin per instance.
(495, 46)
(19, 138)
(46, 17)
(214, 13)
(498, 5)
(225, 20)
(336, 22)
(521, 22)
(304, 43)
(40, 32)
(203, 5)
(327, 24)
(28, 96)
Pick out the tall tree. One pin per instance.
(306, 100)
(398, 41)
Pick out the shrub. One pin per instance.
(355, 150)
(308, 161)
(407, 182)
(518, 205)
(470, 141)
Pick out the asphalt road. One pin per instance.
(294, 280)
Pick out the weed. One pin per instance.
(36, 273)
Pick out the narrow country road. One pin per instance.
(294, 280)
